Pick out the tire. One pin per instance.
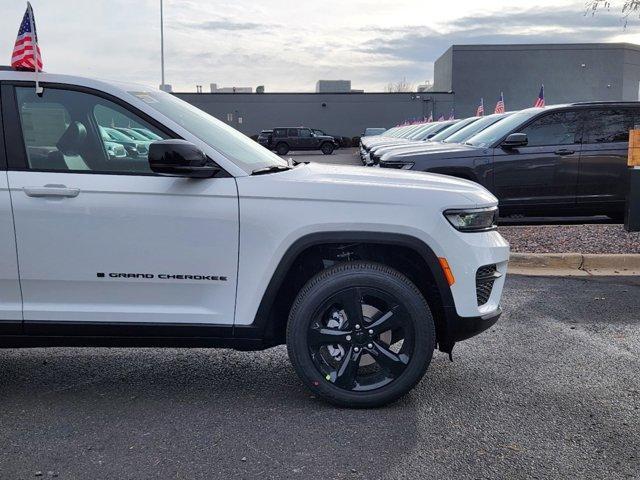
(379, 377)
(327, 148)
(282, 149)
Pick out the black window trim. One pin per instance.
(16, 152)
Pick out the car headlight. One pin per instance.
(473, 219)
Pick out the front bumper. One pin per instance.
(467, 327)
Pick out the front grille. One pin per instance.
(485, 278)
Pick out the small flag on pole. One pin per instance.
(430, 119)
(26, 53)
(452, 115)
(500, 105)
(441, 118)
(480, 111)
(540, 100)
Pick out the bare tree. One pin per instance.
(629, 7)
(401, 86)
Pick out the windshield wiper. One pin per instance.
(270, 169)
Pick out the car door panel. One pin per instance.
(531, 176)
(113, 242)
(127, 248)
(544, 173)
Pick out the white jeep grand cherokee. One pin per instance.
(199, 237)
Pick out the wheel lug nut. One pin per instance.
(370, 345)
(357, 327)
(348, 338)
(356, 349)
(370, 332)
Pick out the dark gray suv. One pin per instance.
(558, 160)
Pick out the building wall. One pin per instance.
(442, 71)
(610, 72)
(338, 114)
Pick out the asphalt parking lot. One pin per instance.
(552, 391)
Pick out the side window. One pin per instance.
(292, 132)
(607, 126)
(305, 133)
(560, 128)
(66, 130)
(280, 132)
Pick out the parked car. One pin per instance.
(300, 138)
(265, 138)
(339, 140)
(424, 133)
(444, 140)
(559, 160)
(446, 130)
(147, 133)
(371, 131)
(211, 240)
(134, 148)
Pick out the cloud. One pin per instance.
(221, 25)
(419, 45)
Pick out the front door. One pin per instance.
(543, 174)
(101, 238)
(604, 181)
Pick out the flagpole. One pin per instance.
(39, 89)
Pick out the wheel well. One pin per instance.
(319, 257)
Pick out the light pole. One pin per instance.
(163, 86)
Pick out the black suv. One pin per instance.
(559, 160)
(300, 138)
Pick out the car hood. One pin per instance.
(337, 183)
(433, 152)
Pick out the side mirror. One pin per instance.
(179, 158)
(515, 140)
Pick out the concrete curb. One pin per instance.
(574, 264)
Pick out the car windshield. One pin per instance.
(374, 131)
(447, 132)
(235, 146)
(423, 130)
(495, 132)
(476, 127)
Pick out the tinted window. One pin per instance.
(292, 132)
(606, 126)
(305, 133)
(280, 132)
(560, 128)
(67, 130)
(476, 127)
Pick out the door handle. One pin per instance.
(564, 151)
(51, 190)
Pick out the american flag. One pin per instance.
(430, 119)
(540, 100)
(500, 105)
(480, 111)
(452, 115)
(23, 51)
(441, 118)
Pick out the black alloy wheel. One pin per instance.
(360, 334)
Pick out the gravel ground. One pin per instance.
(571, 238)
(552, 391)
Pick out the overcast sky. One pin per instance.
(288, 45)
